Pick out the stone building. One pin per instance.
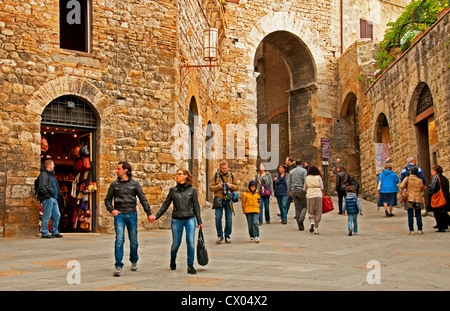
(120, 78)
(408, 108)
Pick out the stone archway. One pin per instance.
(347, 134)
(290, 43)
(285, 87)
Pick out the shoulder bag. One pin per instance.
(202, 253)
(438, 199)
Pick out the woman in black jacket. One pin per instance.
(186, 210)
(439, 181)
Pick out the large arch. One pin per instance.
(296, 44)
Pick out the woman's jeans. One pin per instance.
(418, 213)
(50, 209)
(177, 234)
(264, 205)
(129, 221)
(253, 226)
(353, 219)
(228, 219)
(282, 204)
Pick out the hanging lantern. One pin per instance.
(210, 49)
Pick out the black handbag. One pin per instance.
(202, 253)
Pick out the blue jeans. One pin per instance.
(353, 218)
(264, 206)
(177, 234)
(228, 219)
(418, 214)
(253, 227)
(50, 209)
(282, 204)
(120, 222)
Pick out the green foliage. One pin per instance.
(400, 34)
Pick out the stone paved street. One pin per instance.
(285, 260)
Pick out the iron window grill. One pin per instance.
(69, 111)
(425, 100)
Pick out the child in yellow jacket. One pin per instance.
(250, 207)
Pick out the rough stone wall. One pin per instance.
(354, 68)
(133, 48)
(394, 94)
(375, 11)
(133, 80)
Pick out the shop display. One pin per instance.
(71, 152)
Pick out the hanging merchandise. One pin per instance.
(44, 144)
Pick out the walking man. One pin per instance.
(221, 186)
(124, 192)
(48, 195)
(295, 185)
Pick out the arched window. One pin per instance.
(425, 100)
(69, 111)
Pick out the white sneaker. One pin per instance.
(228, 240)
(316, 230)
(219, 241)
(134, 266)
(118, 271)
(257, 240)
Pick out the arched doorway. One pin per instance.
(208, 152)
(423, 119)
(192, 141)
(347, 134)
(68, 137)
(382, 142)
(285, 87)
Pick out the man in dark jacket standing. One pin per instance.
(48, 196)
(124, 191)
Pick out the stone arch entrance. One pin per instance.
(347, 134)
(422, 112)
(69, 128)
(285, 88)
(382, 142)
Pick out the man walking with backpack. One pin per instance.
(222, 186)
(47, 194)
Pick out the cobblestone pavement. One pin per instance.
(286, 259)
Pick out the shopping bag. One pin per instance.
(327, 204)
(202, 253)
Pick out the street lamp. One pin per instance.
(210, 51)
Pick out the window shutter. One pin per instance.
(370, 30)
(362, 28)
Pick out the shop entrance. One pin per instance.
(68, 135)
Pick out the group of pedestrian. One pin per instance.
(292, 183)
(295, 181)
(412, 187)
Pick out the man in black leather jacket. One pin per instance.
(124, 191)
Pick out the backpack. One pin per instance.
(408, 170)
(36, 188)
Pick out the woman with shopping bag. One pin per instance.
(186, 210)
